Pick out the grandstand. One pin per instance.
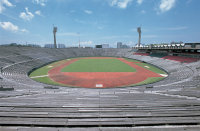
(174, 101)
(184, 53)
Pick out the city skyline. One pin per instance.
(99, 21)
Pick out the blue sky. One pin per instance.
(99, 21)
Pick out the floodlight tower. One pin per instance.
(54, 34)
(139, 32)
(79, 40)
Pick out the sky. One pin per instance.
(99, 21)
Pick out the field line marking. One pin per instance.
(164, 75)
(49, 66)
(39, 76)
(99, 85)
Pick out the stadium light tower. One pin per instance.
(139, 32)
(79, 40)
(54, 34)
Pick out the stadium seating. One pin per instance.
(18, 61)
(181, 59)
(160, 55)
(172, 100)
(166, 56)
(140, 53)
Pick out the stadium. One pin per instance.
(99, 65)
(91, 72)
(165, 104)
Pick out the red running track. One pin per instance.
(106, 79)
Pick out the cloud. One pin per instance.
(24, 30)
(4, 3)
(166, 5)
(68, 34)
(8, 26)
(38, 12)
(86, 42)
(40, 2)
(139, 2)
(26, 15)
(120, 3)
(88, 12)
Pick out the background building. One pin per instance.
(105, 45)
(119, 44)
(53, 46)
(98, 46)
(61, 46)
(102, 46)
(49, 45)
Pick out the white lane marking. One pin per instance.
(164, 75)
(99, 85)
(39, 76)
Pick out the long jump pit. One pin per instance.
(99, 79)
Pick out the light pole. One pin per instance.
(79, 46)
(54, 34)
(139, 32)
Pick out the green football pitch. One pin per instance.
(98, 65)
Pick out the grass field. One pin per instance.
(44, 71)
(148, 81)
(98, 65)
(95, 65)
(151, 68)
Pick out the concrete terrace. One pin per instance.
(172, 104)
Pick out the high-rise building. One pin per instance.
(125, 46)
(119, 44)
(49, 46)
(105, 45)
(61, 45)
